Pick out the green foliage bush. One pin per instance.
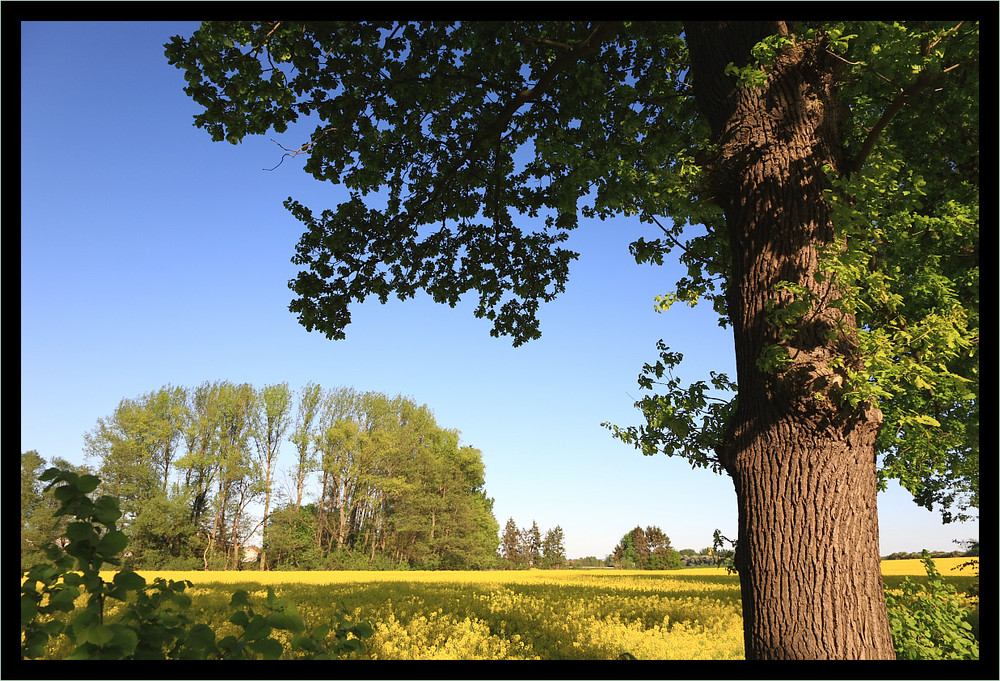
(929, 622)
(153, 622)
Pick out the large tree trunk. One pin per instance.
(803, 465)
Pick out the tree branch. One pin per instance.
(923, 81)
(931, 46)
(255, 50)
(549, 43)
(678, 243)
(301, 150)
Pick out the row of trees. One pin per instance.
(392, 484)
(526, 548)
(692, 558)
(374, 480)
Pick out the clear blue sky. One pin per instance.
(151, 255)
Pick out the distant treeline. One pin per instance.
(374, 482)
(971, 550)
(688, 558)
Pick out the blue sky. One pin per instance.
(151, 256)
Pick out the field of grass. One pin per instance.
(535, 614)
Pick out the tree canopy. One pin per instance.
(469, 150)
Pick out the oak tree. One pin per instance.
(820, 181)
(269, 421)
(302, 436)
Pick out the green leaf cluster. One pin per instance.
(484, 141)
(755, 73)
(906, 252)
(688, 421)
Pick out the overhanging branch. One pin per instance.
(890, 112)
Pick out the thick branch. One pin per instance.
(549, 43)
(890, 112)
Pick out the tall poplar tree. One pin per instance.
(201, 438)
(819, 179)
(269, 421)
(303, 434)
(168, 409)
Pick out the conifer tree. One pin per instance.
(510, 544)
(553, 549)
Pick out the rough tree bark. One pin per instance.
(803, 466)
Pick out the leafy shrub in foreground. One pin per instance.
(153, 623)
(929, 622)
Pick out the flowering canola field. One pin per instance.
(552, 614)
(915, 566)
(569, 614)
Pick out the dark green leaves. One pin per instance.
(87, 483)
(281, 614)
(267, 100)
(112, 543)
(106, 511)
(129, 581)
(460, 131)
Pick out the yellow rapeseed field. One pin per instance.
(915, 566)
(534, 614)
